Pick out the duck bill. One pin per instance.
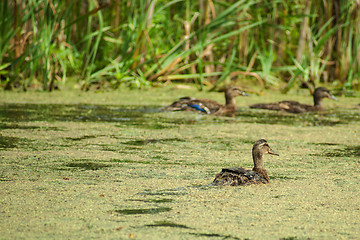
(332, 97)
(272, 152)
(244, 94)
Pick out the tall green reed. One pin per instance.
(147, 42)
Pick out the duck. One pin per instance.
(295, 107)
(238, 176)
(208, 106)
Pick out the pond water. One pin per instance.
(124, 171)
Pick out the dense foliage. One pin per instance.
(281, 43)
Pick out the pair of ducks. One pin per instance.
(237, 175)
(229, 109)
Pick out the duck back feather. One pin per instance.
(296, 107)
(208, 106)
(238, 176)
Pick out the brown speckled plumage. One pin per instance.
(208, 106)
(296, 107)
(239, 176)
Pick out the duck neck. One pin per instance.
(258, 160)
(259, 165)
(317, 101)
(229, 99)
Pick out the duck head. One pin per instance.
(235, 91)
(231, 93)
(321, 93)
(260, 148)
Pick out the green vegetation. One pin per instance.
(147, 42)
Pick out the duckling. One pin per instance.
(296, 107)
(240, 176)
(208, 106)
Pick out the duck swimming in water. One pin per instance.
(296, 107)
(240, 176)
(208, 106)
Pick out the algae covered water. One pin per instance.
(101, 166)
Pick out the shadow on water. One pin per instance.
(179, 191)
(149, 141)
(223, 236)
(4, 126)
(63, 112)
(346, 151)
(215, 235)
(137, 116)
(133, 211)
(164, 200)
(327, 144)
(327, 118)
(85, 166)
(167, 224)
(12, 142)
(165, 192)
(150, 116)
(83, 137)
